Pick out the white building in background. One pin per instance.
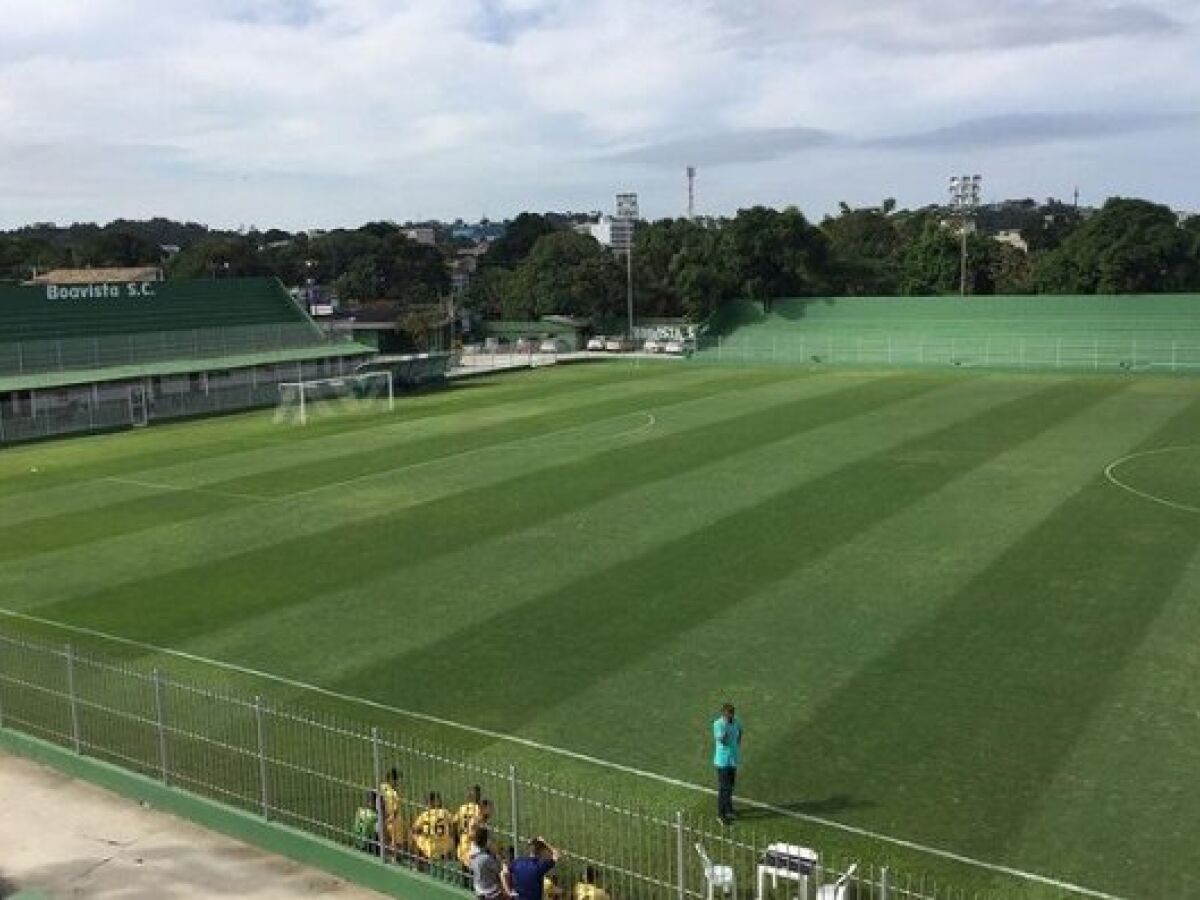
(601, 230)
(422, 234)
(1012, 237)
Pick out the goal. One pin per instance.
(300, 401)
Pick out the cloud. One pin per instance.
(747, 145)
(945, 26)
(305, 112)
(1023, 129)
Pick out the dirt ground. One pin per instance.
(62, 838)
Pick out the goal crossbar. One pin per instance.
(302, 388)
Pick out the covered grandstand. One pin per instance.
(84, 356)
(1157, 333)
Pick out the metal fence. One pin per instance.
(313, 771)
(1099, 353)
(51, 412)
(133, 348)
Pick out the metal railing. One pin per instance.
(1098, 353)
(314, 772)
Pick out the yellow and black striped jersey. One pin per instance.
(434, 830)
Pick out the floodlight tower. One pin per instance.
(622, 240)
(691, 177)
(965, 191)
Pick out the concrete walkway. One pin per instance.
(62, 838)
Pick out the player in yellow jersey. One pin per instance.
(465, 820)
(588, 889)
(433, 831)
(395, 834)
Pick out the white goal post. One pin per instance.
(302, 394)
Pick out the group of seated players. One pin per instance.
(439, 840)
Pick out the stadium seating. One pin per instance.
(27, 314)
(147, 322)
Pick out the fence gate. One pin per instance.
(138, 407)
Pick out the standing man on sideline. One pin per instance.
(526, 879)
(484, 867)
(727, 740)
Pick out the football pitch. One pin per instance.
(958, 609)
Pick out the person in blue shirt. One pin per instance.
(525, 875)
(727, 753)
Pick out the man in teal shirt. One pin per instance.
(727, 738)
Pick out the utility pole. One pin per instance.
(691, 179)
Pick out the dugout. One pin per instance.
(100, 355)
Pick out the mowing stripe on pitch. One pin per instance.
(568, 754)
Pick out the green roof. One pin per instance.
(46, 380)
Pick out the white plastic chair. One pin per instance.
(718, 879)
(840, 889)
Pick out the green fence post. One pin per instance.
(1173, 369)
(160, 718)
(1096, 354)
(260, 727)
(73, 700)
(377, 770)
(512, 801)
(681, 888)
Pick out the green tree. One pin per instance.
(931, 263)
(776, 253)
(865, 249)
(568, 274)
(486, 291)
(1128, 247)
(518, 240)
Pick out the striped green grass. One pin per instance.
(939, 618)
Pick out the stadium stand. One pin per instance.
(81, 356)
(1100, 333)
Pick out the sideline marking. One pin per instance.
(181, 489)
(1111, 468)
(569, 754)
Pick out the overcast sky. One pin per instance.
(316, 113)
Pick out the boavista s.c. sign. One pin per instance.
(132, 290)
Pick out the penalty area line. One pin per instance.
(599, 762)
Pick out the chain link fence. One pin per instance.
(319, 774)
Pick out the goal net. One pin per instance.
(302, 401)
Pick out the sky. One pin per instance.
(322, 113)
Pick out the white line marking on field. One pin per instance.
(182, 489)
(1111, 468)
(568, 754)
(518, 444)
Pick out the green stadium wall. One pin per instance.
(1102, 333)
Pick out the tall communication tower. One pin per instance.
(691, 177)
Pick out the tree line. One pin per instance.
(681, 267)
